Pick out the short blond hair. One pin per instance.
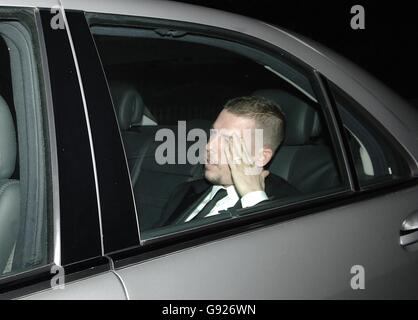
(267, 115)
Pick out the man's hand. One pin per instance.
(247, 177)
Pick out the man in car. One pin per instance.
(235, 175)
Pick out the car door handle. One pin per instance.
(409, 230)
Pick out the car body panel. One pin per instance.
(105, 286)
(306, 258)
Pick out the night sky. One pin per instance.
(387, 48)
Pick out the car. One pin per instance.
(87, 86)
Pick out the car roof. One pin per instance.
(400, 118)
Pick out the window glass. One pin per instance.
(169, 94)
(23, 216)
(375, 157)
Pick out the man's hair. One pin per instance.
(267, 115)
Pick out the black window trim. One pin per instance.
(339, 131)
(67, 103)
(49, 125)
(110, 160)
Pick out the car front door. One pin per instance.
(53, 247)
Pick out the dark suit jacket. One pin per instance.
(188, 195)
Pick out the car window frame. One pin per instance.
(107, 19)
(367, 119)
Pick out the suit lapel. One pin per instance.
(193, 201)
(272, 187)
(186, 197)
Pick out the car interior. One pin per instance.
(9, 169)
(155, 83)
(22, 245)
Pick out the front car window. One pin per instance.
(23, 209)
(164, 88)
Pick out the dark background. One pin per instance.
(387, 48)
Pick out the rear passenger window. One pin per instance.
(375, 157)
(169, 90)
(23, 208)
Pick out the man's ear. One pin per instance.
(264, 157)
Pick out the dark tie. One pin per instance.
(222, 193)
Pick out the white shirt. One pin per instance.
(249, 200)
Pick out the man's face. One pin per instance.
(217, 171)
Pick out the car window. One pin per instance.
(168, 93)
(23, 209)
(375, 157)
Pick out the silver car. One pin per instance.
(85, 88)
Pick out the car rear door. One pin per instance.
(342, 245)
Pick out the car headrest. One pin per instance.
(128, 103)
(302, 121)
(185, 169)
(8, 146)
(203, 124)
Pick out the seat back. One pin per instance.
(129, 108)
(9, 188)
(304, 163)
(157, 182)
(152, 183)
